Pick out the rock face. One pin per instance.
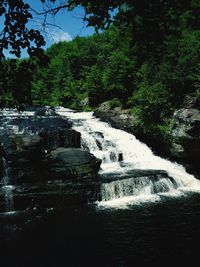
(118, 118)
(122, 119)
(70, 163)
(43, 195)
(59, 137)
(23, 155)
(186, 130)
(31, 137)
(186, 137)
(185, 144)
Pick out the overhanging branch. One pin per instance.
(54, 10)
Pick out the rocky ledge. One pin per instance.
(41, 164)
(34, 198)
(71, 163)
(38, 145)
(123, 119)
(184, 146)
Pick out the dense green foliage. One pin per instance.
(147, 63)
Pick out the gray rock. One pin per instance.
(191, 101)
(43, 130)
(84, 102)
(105, 106)
(186, 124)
(60, 137)
(67, 163)
(62, 193)
(23, 155)
(118, 119)
(185, 146)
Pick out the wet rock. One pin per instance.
(120, 119)
(133, 183)
(31, 197)
(26, 137)
(98, 134)
(24, 147)
(23, 155)
(184, 146)
(120, 157)
(136, 173)
(60, 137)
(113, 156)
(67, 163)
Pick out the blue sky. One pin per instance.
(70, 25)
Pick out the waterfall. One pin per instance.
(135, 187)
(121, 152)
(7, 188)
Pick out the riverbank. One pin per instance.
(126, 214)
(183, 142)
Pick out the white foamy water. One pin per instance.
(10, 114)
(14, 113)
(127, 202)
(113, 145)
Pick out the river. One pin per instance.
(137, 221)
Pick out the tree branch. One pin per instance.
(54, 10)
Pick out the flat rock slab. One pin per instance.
(72, 162)
(136, 173)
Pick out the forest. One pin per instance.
(100, 135)
(146, 63)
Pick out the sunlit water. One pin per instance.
(108, 144)
(136, 227)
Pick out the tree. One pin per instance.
(15, 34)
(150, 20)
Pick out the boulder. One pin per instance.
(23, 155)
(26, 137)
(186, 137)
(28, 147)
(67, 163)
(60, 137)
(184, 144)
(186, 124)
(121, 119)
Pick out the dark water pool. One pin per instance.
(165, 232)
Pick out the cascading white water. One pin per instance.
(108, 144)
(135, 187)
(9, 115)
